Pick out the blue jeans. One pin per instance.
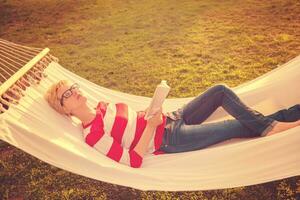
(186, 133)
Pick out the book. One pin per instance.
(159, 96)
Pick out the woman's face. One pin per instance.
(71, 97)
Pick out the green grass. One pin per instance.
(130, 46)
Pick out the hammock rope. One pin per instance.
(20, 65)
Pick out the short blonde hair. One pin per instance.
(51, 97)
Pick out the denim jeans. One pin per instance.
(184, 132)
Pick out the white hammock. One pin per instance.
(40, 131)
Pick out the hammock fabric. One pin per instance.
(34, 127)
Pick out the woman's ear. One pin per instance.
(68, 112)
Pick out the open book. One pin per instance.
(160, 94)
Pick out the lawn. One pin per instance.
(130, 45)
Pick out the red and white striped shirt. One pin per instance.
(116, 130)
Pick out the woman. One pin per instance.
(123, 134)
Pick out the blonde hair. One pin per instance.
(51, 97)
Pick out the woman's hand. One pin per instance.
(156, 119)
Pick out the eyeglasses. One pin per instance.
(68, 92)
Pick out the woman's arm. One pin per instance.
(152, 123)
(144, 141)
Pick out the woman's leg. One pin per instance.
(291, 114)
(194, 137)
(201, 107)
(198, 136)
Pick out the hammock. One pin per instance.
(34, 127)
